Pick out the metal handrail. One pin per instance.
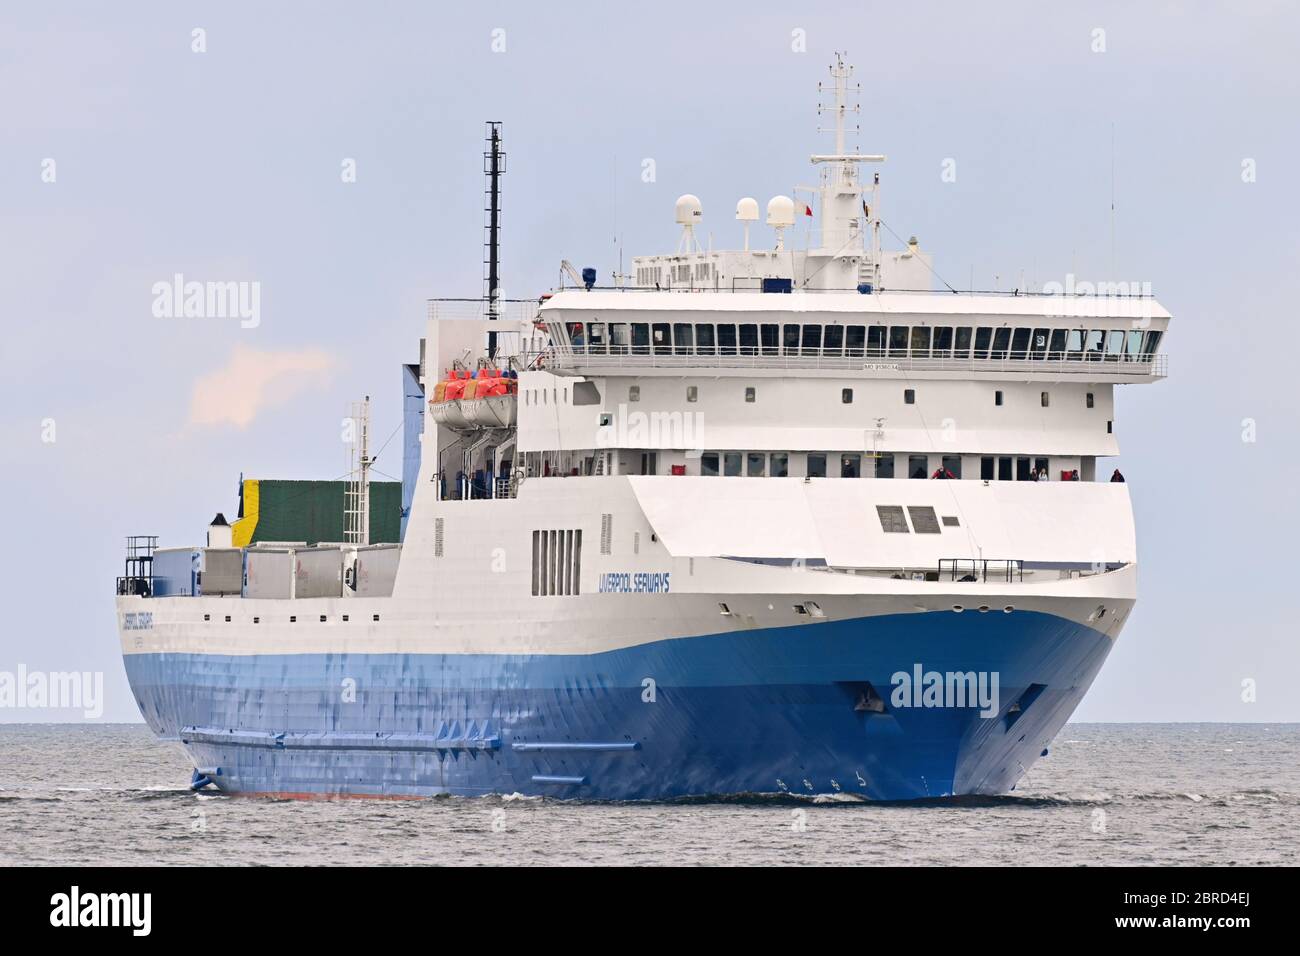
(1154, 365)
(1009, 570)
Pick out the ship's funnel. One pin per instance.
(220, 534)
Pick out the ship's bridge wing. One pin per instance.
(839, 521)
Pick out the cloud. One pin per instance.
(253, 381)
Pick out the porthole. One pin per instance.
(984, 608)
(1008, 609)
(958, 608)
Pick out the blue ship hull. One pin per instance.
(754, 711)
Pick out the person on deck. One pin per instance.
(1116, 476)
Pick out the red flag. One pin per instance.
(807, 210)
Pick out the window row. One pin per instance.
(860, 341)
(776, 464)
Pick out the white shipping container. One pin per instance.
(223, 571)
(318, 572)
(268, 574)
(374, 570)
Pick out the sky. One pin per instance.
(331, 153)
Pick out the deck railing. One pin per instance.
(1056, 363)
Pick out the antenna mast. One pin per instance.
(357, 509)
(494, 164)
(845, 200)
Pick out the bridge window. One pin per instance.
(1134, 348)
(1038, 346)
(683, 339)
(755, 464)
(1004, 468)
(640, 338)
(749, 340)
(833, 340)
(1001, 342)
(1056, 350)
(780, 465)
(1093, 344)
(916, 466)
(771, 335)
(731, 462)
(709, 464)
(663, 344)
(962, 348)
(920, 341)
(892, 520)
(816, 464)
(952, 465)
(704, 341)
(1114, 344)
(898, 341)
(1020, 344)
(983, 335)
(942, 343)
(986, 468)
(1152, 343)
(850, 466)
(790, 340)
(876, 341)
(1024, 471)
(1074, 344)
(1041, 466)
(884, 465)
(596, 340)
(812, 340)
(855, 341)
(727, 340)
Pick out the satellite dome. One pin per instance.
(747, 210)
(688, 210)
(780, 211)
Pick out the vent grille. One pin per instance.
(606, 533)
(557, 562)
(437, 537)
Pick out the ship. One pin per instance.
(792, 518)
